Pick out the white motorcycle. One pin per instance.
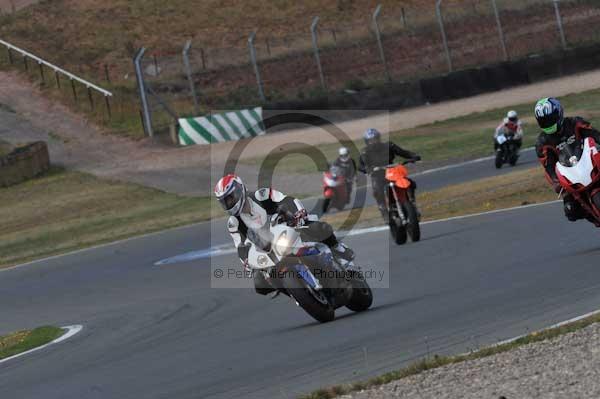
(307, 272)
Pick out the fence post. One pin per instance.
(313, 31)
(438, 12)
(560, 25)
(500, 30)
(379, 43)
(259, 83)
(106, 73)
(41, 66)
(188, 72)
(146, 117)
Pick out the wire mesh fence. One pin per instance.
(397, 44)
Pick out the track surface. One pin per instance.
(161, 332)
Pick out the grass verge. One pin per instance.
(65, 210)
(440, 361)
(513, 189)
(22, 341)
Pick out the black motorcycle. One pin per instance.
(507, 151)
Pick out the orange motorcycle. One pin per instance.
(403, 215)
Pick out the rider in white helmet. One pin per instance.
(249, 219)
(510, 126)
(348, 167)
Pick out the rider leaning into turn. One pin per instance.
(510, 126)
(377, 154)
(249, 221)
(559, 131)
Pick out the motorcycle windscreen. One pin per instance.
(581, 172)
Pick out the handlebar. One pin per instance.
(377, 168)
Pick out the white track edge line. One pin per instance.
(375, 229)
(71, 330)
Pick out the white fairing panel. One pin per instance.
(330, 182)
(581, 172)
(501, 139)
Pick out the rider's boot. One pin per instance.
(413, 199)
(343, 254)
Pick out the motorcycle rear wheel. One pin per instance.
(362, 296)
(318, 307)
(413, 227)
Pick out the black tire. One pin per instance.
(413, 228)
(320, 310)
(362, 296)
(499, 159)
(325, 205)
(514, 158)
(397, 230)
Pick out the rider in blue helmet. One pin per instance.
(377, 153)
(559, 131)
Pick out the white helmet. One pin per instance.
(512, 116)
(343, 152)
(231, 193)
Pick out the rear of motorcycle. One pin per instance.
(319, 285)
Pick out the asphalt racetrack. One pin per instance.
(160, 331)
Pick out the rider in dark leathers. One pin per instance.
(559, 131)
(376, 153)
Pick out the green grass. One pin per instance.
(64, 210)
(456, 139)
(436, 361)
(22, 341)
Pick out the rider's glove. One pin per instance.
(417, 158)
(557, 187)
(300, 217)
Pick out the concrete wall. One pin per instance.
(458, 84)
(24, 163)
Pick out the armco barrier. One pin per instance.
(24, 163)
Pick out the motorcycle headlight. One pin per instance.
(283, 246)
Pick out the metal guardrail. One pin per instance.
(57, 69)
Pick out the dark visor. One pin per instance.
(230, 200)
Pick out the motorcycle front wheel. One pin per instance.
(413, 227)
(362, 296)
(499, 159)
(397, 230)
(315, 303)
(325, 205)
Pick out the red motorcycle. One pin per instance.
(335, 192)
(578, 172)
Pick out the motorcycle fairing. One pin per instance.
(398, 175)
(581, 172)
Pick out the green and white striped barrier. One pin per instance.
(218, 128)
